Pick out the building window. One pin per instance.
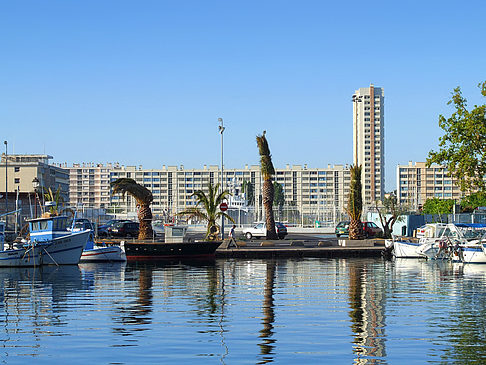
(17, 180)
(17, 168)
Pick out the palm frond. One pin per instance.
(265, 157)
(129, 186)
(355, 201)
(207, 208)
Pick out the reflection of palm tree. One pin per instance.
(355, 301)
(266, 347)
(144, 300)
(137, 312)
(367, 318)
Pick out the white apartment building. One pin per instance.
(89, 185)
(369, 141)
(416, 183)
(320, 192)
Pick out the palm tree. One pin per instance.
(55, 197)
(268, 190)
(207, 209)
(144, 198)
(355, 203)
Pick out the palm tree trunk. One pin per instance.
(268, 192)
(145, 220)
(355, 229)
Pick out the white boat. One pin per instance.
(98, 251)
(459, 242)
(102, 252)
(404, 247)
(50, 243)
(471, 253)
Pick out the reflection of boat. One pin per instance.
(470, 270)
(136, 251)
(50, 244)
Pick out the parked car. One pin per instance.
(370, 229)
(260, 230)
(82, 224)
(124, 229)
(103, 230)
(342, 228)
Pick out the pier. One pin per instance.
(329, 248)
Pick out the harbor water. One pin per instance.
(336, 311)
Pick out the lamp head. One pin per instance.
(35, 183)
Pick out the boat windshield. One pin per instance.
(466, 232)
(40, 226)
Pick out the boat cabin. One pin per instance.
(46, 229)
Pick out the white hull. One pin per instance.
(108, 253)
(59, 251)
(404, 249)
(471, 254)
(431, 250)
(21, 257)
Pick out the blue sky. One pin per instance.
(144, 82)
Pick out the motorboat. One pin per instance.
(459, 242)
(409, 247)
(50, 243)
(99, 251)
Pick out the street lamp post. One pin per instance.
(356, 99)
(221, 130)
(35, 185)
(6, 178)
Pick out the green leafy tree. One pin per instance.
(355, 203)
(389, 212)
(207, 209)
(462, 149)
(268, 191)
(278, 197)
(248, 188)
(143, 197)
(438, 206)
(473, 201)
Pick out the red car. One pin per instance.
(371, 229)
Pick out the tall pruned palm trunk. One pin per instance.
(355, 203)
(268, 190)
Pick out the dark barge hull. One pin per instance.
(150, 251)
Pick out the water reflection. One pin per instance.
(267, 345)
(173, 280)
(247, 311)
(43, 295)
(367, 302)
(138, 311)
